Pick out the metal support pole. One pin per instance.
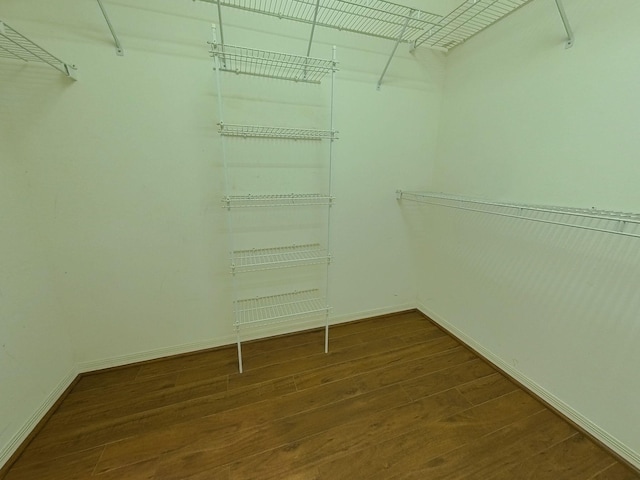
(119, 49)
(240, 367)
(330, 207)
(395, 47)
(567, 26)
(217, 53)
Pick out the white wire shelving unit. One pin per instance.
(377, 18)
(298, 303)
(387, 20)
(16, 46)
(258, 259)
(617, 223)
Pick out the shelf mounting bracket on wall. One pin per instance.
(567, 26)
(313, 26)
(395, 47)
(119, 49)
(16, 46)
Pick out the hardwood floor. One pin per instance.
(396, 398)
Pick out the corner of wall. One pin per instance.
(554, 402)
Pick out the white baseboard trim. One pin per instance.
(246, 335)
(14, 443)
(91, 366)
(602, 435)
(376, 312)
(7, 450)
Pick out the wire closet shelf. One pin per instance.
(618, 223)
(260, 131)
(286, 200)
(264, 63)
(469, 18)
(16, 46)
(388, 20)
(254, 260)
(377, 18)
(279, 308)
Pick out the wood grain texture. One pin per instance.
(396, 398)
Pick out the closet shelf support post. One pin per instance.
(567, 25)
(119, 49)
(395, 47)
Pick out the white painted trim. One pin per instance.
(248, 334)
(377, 312)
(606, 438)
(14, 443)
(85, 367)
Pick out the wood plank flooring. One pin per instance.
(396, 398)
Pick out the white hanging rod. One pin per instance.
(119, 49)
(616, 222)
(16, 46)
(377, 18)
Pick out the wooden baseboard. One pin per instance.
(535, 394)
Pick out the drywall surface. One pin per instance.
(36, 361)
(130, 173)
(525, 120)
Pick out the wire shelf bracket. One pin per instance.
(395, 48)
(119, 49)
(16, 46)
(313, 26)
(567, 25)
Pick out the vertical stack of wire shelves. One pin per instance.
(278, 193)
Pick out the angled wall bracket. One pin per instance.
(313, 27)
(16, 46)
(395, 47)
(119, 49)
(567, 26)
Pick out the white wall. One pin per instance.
(36, 360)
(127, 167)
(525, 120)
